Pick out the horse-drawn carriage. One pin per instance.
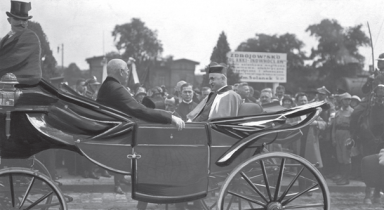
(222, 157)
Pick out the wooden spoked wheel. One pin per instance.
(273, 181)
(22, 188)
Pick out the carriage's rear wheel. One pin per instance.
(272, 181)
(22, 188)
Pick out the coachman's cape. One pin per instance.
(20, 54)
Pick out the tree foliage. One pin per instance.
(219, 55)
(136, 40)
(336, 43)
(49, 63)
(337, 53)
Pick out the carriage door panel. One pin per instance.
(172, 165)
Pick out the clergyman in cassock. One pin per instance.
(221, 102)
(187, 105)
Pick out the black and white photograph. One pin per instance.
(191, 105)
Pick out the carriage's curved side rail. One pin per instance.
(264, 125)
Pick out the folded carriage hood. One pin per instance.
(258, 126)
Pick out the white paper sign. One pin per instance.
(259, 67)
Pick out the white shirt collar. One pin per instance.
(188, 102)
(221, 88)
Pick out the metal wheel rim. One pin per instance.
(17, 171)
(320, 180)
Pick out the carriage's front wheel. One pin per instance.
(273, 181)
(23, 188)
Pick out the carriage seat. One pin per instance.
(70, 113)
(247, 109)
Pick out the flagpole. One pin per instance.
(62, 56)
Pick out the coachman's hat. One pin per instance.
(217, 68)
(323, 90)
(20, 9)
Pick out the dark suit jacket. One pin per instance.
(113, 94)
(21, 55)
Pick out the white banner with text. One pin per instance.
(259, 66)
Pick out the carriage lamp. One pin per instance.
(8, 96)
(8, 92)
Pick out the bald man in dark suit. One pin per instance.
(113, 93)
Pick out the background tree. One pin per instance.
(48, 63)
(136, 40)
(72, 73)
(337, 53)
(297, 73)
(219, 55)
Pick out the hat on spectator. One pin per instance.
(356, 98)
(323, 90)
(140, 91)
(179, 84)
(345, 96)
(381, 57)
(156, 90)
(170, 100)
(287, 98)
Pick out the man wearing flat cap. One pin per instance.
(376, 78)
(326, 148)
(221, 102)
(20, 51)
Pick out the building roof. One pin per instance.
(95, 58)
(186, 60)
(56, 78)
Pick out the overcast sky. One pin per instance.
(190, 29)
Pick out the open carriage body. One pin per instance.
(166, 165)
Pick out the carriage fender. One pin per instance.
(233, 152)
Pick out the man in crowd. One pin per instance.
(178, 91)
(265, 96)
(327, 149)
(171, 104)
(140, 94)
(376, 78)
(253, 95)
(244, 91)
(372, 82)
(20, 51)
(112, 93)
(187, 104)
(157, 97)
(309, 143)
(222, 102)
(81, 89)
(280, 91)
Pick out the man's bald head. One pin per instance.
(118, 69)
(115, 65)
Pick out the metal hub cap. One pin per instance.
(274, 206)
